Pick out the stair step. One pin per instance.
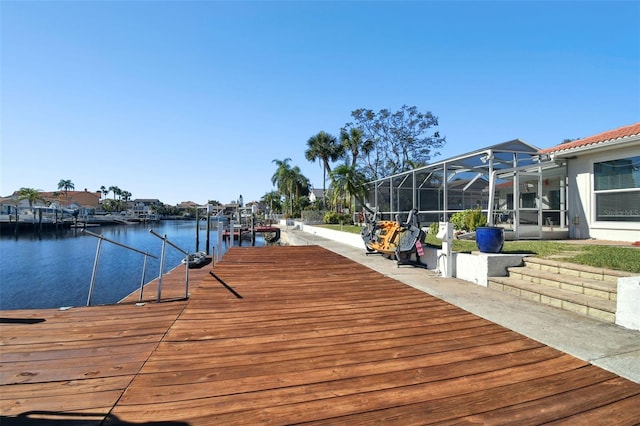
(573, 269)
(584, 304)
(592, 287)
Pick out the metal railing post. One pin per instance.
(96, 261)
(164, 245)
(186, 278)
(144, 270)
(165, 241)
(94, 272)
(219, 235)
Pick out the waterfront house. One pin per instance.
(143, 207)
(11, 205)
(588, 188)
(603, 178)
(84, 203)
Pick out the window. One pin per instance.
(617, 190)
(554, 199)
(528, 200)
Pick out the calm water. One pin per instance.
(54, 269)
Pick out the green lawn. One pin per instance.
(610, 257)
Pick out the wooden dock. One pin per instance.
(291, 335)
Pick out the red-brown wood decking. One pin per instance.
(283, 335)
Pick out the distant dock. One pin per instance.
(26, 223)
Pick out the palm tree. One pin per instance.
(116, 191)
(285, 181)
(282, 176)
(273, 200)
(289, 181)
(324, 148)
(65, 185)
(300, 183)
(348, 182)
(351, 141)
(104, 191)
(32, 196)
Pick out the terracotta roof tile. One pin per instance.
(604, 137)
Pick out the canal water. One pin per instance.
(53, 269)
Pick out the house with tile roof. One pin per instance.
(582, 189)
(84, 202)
(603, 184)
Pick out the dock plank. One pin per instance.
(287, 335)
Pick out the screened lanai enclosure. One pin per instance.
(491, 179)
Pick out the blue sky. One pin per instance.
(191, 101)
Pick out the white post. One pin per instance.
(219, 236)
(627, 314)
(445, 233)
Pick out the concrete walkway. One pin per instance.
(608, 346)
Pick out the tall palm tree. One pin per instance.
(281, 176)
(351, 141)
(346, 183)
(65, 185)
(104, 191)
(324, 148)
(273, 200)
(116, 191)
(125, 196)
(300, 183)
(32, 196)
(289, 181)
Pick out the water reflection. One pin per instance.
(53, 269)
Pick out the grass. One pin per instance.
(609, 257)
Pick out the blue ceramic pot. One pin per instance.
(489, 239)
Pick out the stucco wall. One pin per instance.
(581, 200)
(627, 312)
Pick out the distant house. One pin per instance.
(9, 205)
(603, 180)
(84, 203)
(316, 195)
(142, 207)
(186, 207)
(230, 210)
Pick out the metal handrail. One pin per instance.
(165, 241)
(97, 258)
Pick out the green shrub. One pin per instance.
(334, 218)
(458, 220)
(468, 220)
(434, 228)
(475, 218)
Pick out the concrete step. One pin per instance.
(574, 269)
(582, 289)
(584, 304)
(592, 287)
